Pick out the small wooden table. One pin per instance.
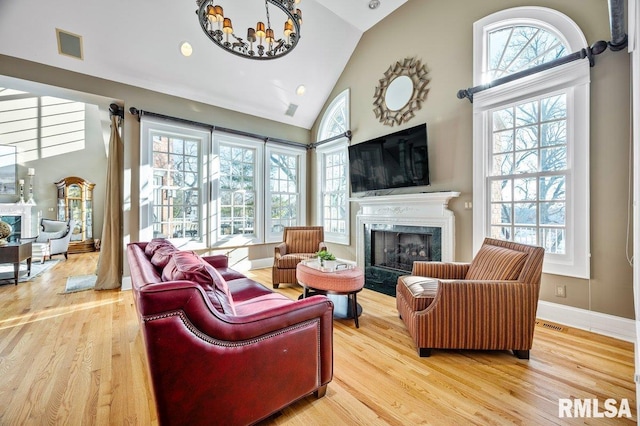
(16, 253)
(343, 282)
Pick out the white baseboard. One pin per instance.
(126, 283)
(247, 265)
(596, 322)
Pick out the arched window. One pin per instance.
(531, 137)
(336, 118)
(332, 163)
(519, 47)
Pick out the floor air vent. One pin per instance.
(549, 325)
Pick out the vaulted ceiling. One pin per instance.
(138, 43)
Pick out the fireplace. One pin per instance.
(19, 216)
(399, 249)
(396, 230)
(16, 227)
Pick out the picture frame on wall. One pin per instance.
(8, 170)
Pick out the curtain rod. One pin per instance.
(589, 52)
(139, 113)
(346, 134)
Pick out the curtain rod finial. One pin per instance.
(115, 109)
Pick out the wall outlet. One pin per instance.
(561, 291)
(468, 205)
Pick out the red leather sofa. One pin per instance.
(222, 348)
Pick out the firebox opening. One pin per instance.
(398, 250)
(390, 250)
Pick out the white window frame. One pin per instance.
(573, 79)
(217, 239)
(149, 127)
(339, 145)
(301, 155)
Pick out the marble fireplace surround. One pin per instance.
(423, 209)
(24, 211)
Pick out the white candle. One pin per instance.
(31, 171)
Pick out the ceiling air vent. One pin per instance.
(69, 44)
(291, 110)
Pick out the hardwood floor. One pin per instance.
(77, 359)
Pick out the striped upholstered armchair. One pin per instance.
(487, 304)
(299, 243)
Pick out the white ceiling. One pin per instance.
(137, 42)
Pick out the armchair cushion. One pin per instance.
(290, 261)
(418, 291)
(496, 263)
(44, 237)
(304, 240)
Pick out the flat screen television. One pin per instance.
(397, 160)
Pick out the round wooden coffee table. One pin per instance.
(341, 282)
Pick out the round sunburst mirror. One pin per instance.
(401, 92)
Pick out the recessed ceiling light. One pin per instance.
(373, 4)
(300, 90)
(186, 49)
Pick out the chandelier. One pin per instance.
(260, 42)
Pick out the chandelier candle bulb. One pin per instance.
(226, 26)
(288, 28)
(211, 14)
(260, 30)
(219, 13)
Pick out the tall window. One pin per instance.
(333, 171)
(173, 183)
(206, 190)
(286, 176)
(531, 138)
(176, 171)
(240, 188)
(529, 171)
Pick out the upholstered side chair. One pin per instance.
(488, 304)
(53, 238)
(299, 243)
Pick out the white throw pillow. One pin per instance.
(53, 226)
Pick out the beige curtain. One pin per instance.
(109, 269)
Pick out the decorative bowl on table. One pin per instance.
(5, 231)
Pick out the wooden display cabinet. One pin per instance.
(75, 201)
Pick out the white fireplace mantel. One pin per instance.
(22, 210)
(422, 209)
